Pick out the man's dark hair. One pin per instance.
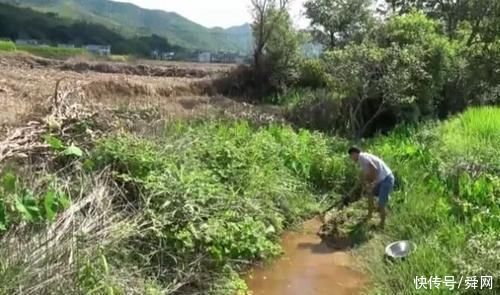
(353, 150)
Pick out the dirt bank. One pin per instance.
(27, 84)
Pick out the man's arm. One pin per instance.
(369, 180)
(371, 175)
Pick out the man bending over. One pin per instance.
(377, 179)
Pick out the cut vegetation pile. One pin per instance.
(27, 81)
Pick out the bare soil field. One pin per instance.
(28, 85)
(139, 67)
(191, 65)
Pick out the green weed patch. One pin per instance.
(222, 192)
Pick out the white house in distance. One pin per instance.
(155, 54)
(62, 45)
(204, 57)
(99, 49)
(27, 42)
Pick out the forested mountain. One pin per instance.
(25, 23)
(132, 20)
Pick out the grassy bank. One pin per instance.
(182, 212)
(448, 205)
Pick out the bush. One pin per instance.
(405, 75)
(219, 192)
(319, 109)
(313, 74)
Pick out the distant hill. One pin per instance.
(26, 23)
(130, 20)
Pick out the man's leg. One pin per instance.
(371, 200)
(371, 206)
(383, 198)
(382, 212)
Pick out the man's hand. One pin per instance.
(371, 175)
(369, 187)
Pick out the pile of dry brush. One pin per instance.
(65, 110)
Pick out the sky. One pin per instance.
(215, 13)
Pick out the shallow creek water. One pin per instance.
(308, 267)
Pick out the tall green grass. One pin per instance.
(453, 215)
(7, 46)
(474, 136)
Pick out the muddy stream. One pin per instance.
(308, 267)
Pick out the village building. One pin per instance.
(99, 49)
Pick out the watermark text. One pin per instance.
(453, 283)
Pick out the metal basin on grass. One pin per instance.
(399, 249)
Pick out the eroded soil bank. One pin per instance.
(308, 267)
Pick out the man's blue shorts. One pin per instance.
(383, 189)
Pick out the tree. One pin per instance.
(276, 44)
(282, 53)
(265, 15)
(335, 22)
(404, 6)
(479, 14)
(407, 75)
(373, 80)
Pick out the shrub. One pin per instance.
(219, 192)
(319, 109)
(313, 74)
(408, 71)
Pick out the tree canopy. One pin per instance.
(335, 22)
(423, 59)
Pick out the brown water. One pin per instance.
(308, 267)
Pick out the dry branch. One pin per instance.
(23, 141)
